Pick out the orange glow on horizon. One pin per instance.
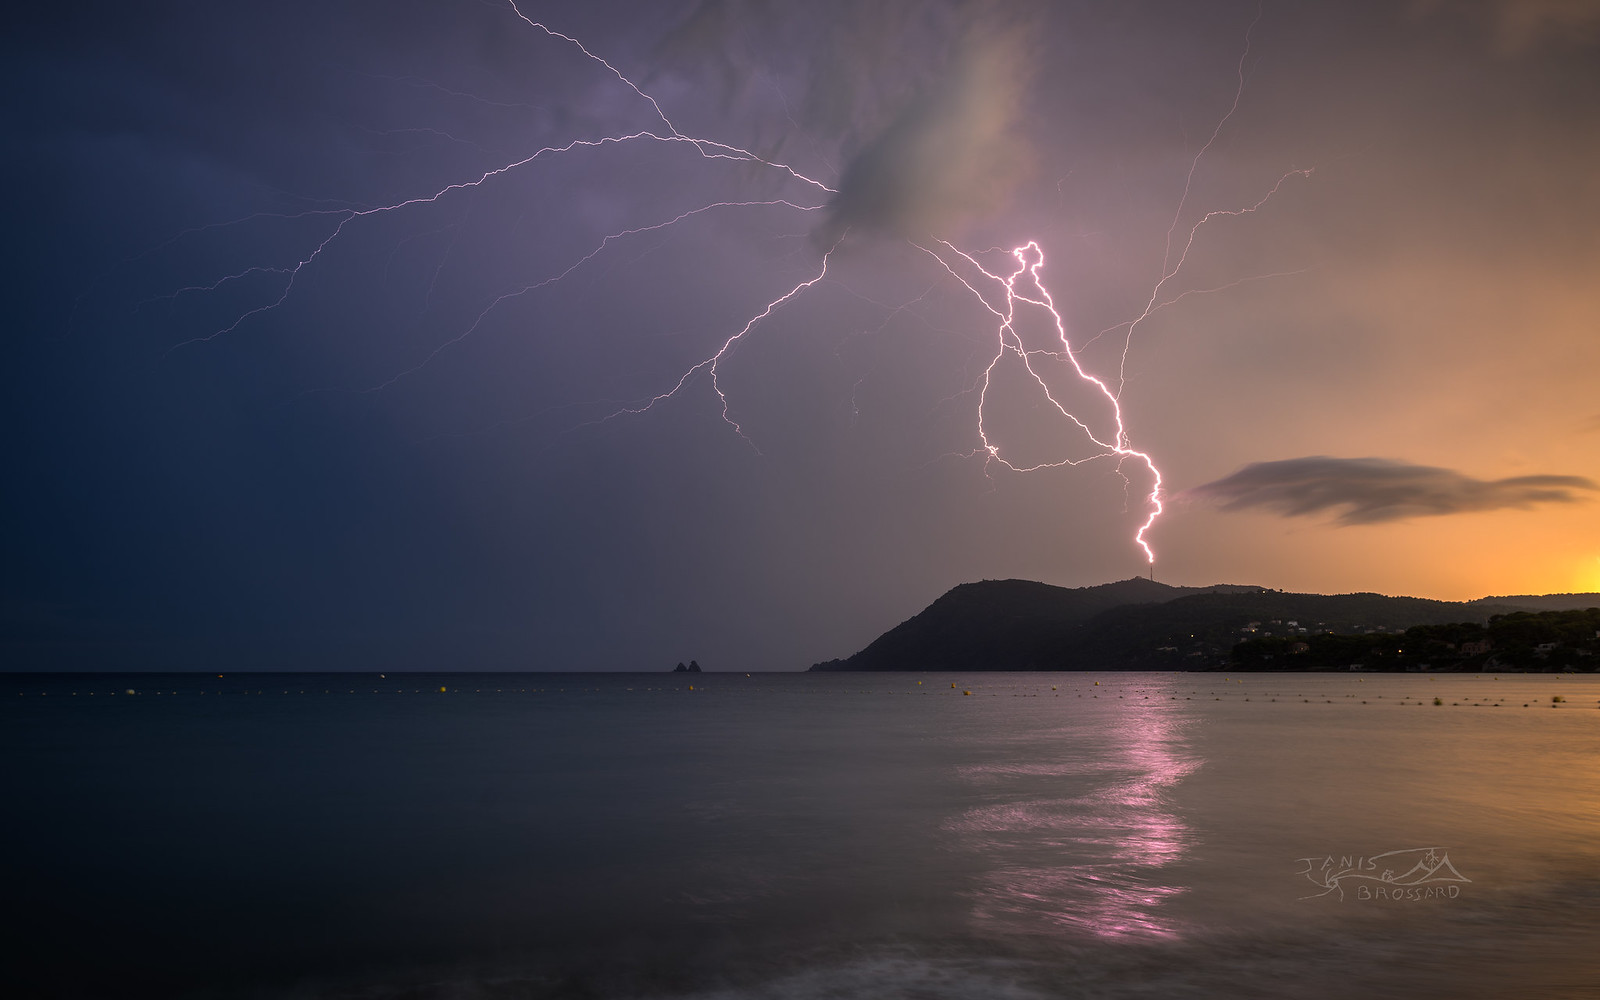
(1589, 576)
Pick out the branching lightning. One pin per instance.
(710, 364)
(1029, 260)
(1007, 293)
(591, 255)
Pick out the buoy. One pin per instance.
(441, 690)
(952, 685)
(965, 693)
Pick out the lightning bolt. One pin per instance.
(710, 364)
(591, 255)
(1007, 293)
(1029, 260)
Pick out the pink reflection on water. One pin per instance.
(1082, 837)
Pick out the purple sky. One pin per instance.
(1381, 378)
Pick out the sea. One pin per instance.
(724, 836)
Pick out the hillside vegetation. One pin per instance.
(1138, 624)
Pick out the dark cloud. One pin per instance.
(1376, 490)
(953, 152)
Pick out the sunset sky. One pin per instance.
(281, 397)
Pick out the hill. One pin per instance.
(1008, 624)
(1545, 602)
(1138, 624)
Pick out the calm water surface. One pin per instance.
(802, 836)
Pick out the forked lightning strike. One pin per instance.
(1029, 260)
(591, 255)
(1020, 287)
(710, 364)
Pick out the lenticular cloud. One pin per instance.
(1377, 490)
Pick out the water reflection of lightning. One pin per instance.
(1003, 292)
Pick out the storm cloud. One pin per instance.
(1377, 490)
(952, 153)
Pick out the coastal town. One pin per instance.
(1547, 641)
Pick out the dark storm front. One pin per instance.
(796, 835)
